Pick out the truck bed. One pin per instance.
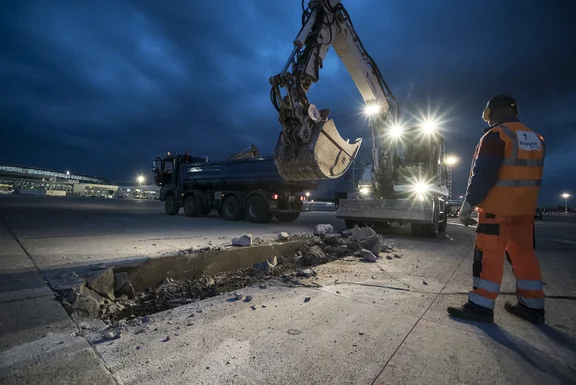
(237, 172)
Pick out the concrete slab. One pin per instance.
(38, 344)
(328, 340)
(440, 354)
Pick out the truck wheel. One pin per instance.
(190, 206)
(257, 210)
(431, 231)
(231, 209)
(171, 206)
(443, 221)
(287, 217)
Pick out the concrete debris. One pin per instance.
(425, 283)
(264, 306)
(366, 255)
(283, 236)
(266, 266)
(294, 332)
(244, 240)
(253, 307)
(360, 233)
(119, 280)
(111, 334)
(389, 257)
(372, 243)
(347, 233)
(103, 283)
(397, 256)
(306, 273)
(307, 299)
(323, 229)
(120, 301)
(314, 256)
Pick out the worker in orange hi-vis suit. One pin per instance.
(504, 184)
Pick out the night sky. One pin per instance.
(103, 87)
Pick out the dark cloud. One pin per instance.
(104, 87)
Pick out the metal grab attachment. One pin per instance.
(325, 156)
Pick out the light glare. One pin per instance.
(396, 131)
(451, 160)
(372, 109)
(429, 126)
(364, 190)
(565, 195)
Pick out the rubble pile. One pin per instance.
(109, 295)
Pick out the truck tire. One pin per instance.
(287, 217)
(171, 205)
(443, 218)
(190, 207)
(231, 209)
(257, 210)
(431, 231)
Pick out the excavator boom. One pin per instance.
(309, 146)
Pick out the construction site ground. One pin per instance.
(353, 322)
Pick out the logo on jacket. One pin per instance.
(528, 141)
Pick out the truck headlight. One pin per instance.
(364, 190)
(421, 189)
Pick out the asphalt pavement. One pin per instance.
(364, 323)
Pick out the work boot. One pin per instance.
(533, 315)
(472, 312)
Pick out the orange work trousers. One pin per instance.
(513, 236)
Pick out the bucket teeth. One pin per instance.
(325, 156)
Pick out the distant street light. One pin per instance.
(566, 196)
(451, 161)
(141, 179)
(307, 195)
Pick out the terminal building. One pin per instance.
(37, 181)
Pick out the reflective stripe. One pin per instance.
(514, 142)
(480, 283)
(532, 303)
(524, 284)
(519, 183)
(523, 162)
(481, 301)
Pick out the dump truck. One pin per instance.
(244, 186)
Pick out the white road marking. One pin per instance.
(460, 224)
(559, 240)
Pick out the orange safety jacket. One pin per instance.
(520, 176)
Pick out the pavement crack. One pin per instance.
(422, 316)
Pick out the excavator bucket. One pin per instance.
(325, 156)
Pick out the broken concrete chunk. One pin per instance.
(360, 233)
(366, 255)
(86, 306)
(283, 236)
(372, 243)
(323, 229)
(103, 283)
(347, 233)
(331, 239)
(119, 280)
(244, 240)
(315, 256)
(389, 257)
(343, 251)
(266, 266)
(238, 295)
(306, 273)
(127, 290)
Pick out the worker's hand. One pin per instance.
(465, 211)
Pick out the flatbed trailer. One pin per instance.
(237, 189)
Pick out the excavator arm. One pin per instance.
(309, 146)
